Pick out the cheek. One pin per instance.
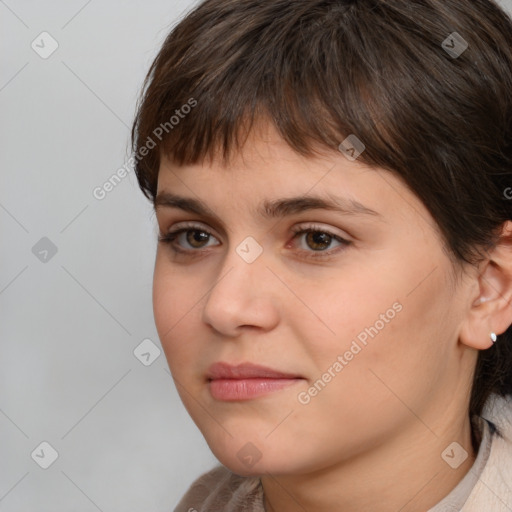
(378, 382)
(359, 306)
(174, 292)
(382, 321)
(174, 304)
(165, 303)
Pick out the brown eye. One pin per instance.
(196, 238)
(188, 239)
(318, 240)
(315, 242)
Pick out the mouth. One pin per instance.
(246, 381)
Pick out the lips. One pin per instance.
(223, 370)
(246, 381)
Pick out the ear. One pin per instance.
(490, 306)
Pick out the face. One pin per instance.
(354, 307)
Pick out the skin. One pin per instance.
(372, 438)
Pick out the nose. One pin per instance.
(243, 296)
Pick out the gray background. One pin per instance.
(71, 321)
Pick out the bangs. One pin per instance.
(312, 77)
(326, 71)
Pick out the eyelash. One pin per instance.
(170, 237)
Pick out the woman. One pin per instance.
(332, 287)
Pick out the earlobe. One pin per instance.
(480, 330)
(490, 313)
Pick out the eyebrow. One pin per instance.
(273, 209)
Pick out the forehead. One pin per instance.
(269, 178)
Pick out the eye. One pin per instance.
(318, 240)
(195, 236)
(192, 238)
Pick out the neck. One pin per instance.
(406, 473)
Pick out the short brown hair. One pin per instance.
(321, 70)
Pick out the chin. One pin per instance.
(246, 459)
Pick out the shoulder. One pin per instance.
(223, 491)
(493, 490)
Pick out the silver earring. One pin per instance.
(493, 337)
